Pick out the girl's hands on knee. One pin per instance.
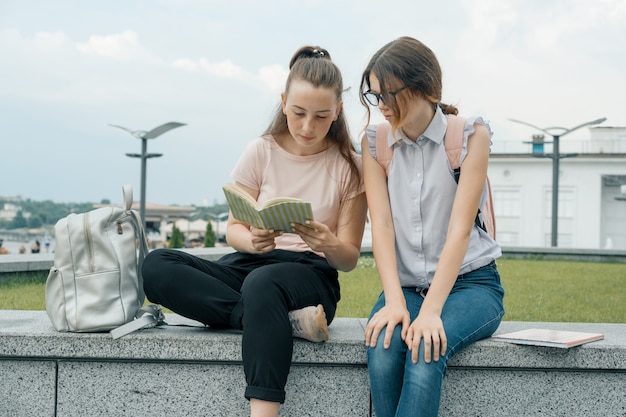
(427, 327)
(262, 241)
(387, 318)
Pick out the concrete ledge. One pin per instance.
(189, 371)
(173, 371)
(27, 262)
(566, 254)
(31, 262)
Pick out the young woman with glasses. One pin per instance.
(441, 288)
(277, 286)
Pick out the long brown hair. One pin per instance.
(315, 66)
(405, 62)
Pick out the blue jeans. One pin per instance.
(473, 311)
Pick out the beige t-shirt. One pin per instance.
(321, 179)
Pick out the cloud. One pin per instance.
(269, 77)
(41, 43)
(487, 20)
(185, 64)
(224, 69)
(51, 41)
(118, 47)
(206, 64)
(273, 77)
(554, 24)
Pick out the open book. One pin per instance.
(276, 213)
(550, 338)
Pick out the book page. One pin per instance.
(234, 188)
(279, 200)
(547, 337)
(279, 216)
(278, 213)
(242, 206)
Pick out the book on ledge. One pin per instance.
(551, 338)
(276, 213)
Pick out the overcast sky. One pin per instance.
(70, 68)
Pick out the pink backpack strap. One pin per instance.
(485, 219)
(384, 153)
(453, 140)
(489, 217)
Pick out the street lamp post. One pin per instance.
(556, 157)
(144, 136)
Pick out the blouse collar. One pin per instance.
(434, 132)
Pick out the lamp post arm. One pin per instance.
(144, 136)
(556, 156)
(159, 130)
(565, 130)
(533, 126)
(136, 133)
(594, 122)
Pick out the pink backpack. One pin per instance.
(454, 144)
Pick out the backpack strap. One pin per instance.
(453, 142)
(127, 190)
(454, 145)
(489, 219)
(140, 233)
(146, 317)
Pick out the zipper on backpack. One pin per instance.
(89, 242)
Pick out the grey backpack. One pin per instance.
(95, 284)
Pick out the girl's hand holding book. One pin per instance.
(317, 235)
(262, 240)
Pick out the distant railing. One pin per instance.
(605, 146)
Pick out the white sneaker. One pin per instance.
(309, 323)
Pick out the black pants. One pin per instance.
(249, 292)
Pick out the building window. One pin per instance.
(506, 202)
(508, 238)
(564, 240)
(566, 203)
(566, 214)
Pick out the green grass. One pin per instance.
(536, 290)
(585, 292)
(23, 291)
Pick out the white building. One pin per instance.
(591, 205)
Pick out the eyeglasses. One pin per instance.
(374, 98)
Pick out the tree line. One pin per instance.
(35, 214)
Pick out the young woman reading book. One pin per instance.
(279, 285)
(441, 288)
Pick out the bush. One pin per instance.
(177, 240)
(209, 236)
